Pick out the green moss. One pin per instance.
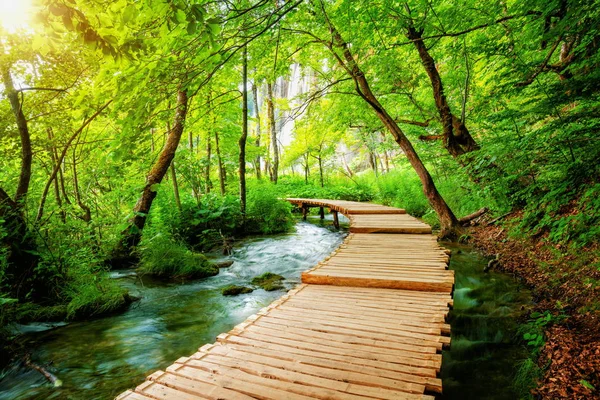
(96, 300)
(165, 259)
(234, 290)
(30, 312)
(269, 281)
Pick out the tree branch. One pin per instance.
(469, 30)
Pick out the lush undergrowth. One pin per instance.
(399, 188)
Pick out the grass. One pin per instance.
(269, 281)
(526, 378)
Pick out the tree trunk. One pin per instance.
(61, 158)
(132, 235)
(257, 116)
(87, 212)
(20, 247)
(306, 169)
(448, 221)
(207, 182)
(244, 137)
(222, 177)
(52, 151)
(26, 150)
(273, 130)
(456, 136)
(320, 159)
(175, 186)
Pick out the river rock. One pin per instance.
(224, 264)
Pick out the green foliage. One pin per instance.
(266, 213)
(234, 290)
(338, 189)
(526, 378)
(269, 281)
(164, 258)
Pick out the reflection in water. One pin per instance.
(485, 353)
(99, 359)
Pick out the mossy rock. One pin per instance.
(234, 290)
(178, 265)
(269, 281)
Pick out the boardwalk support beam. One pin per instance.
(304, 212)
(322, 212)
(336, 221)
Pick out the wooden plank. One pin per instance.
(405, 337)
(263, 386)
(257, 346)
(415, 284)
(341, 341)
(314, 372)
(303, 363)
(313, 381)
(130, 395)
(364, 352)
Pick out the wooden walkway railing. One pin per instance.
(367, 323)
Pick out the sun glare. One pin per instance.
(15, 14)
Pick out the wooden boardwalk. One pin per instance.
(367, 323)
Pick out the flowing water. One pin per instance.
(100, 358)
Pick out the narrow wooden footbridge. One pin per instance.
(368, 322)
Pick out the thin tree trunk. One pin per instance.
(61, 178)
(132, 235)
(222, 176)
(257, 116)
(320, 159)
(52, 151)
(26, 150)
(60, 159)
(244, 137)
(306, 168)
(341, 52)
(87, 212)
(175, 186)
(273, 131)
(456, 136)
(207, 182)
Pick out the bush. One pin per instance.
(266, 213)
(205, 224)
(166, 259)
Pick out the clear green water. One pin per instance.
(485, 351)
(99, 359)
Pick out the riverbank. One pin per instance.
(565, 283)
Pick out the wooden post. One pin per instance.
(321, 212)
(336, 222)
(304, 211)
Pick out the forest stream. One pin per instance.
(98, 359)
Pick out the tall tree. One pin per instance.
(274, 165)
(132, 235)
(342, 53)
(244, 136)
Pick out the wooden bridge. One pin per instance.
(366, 323)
